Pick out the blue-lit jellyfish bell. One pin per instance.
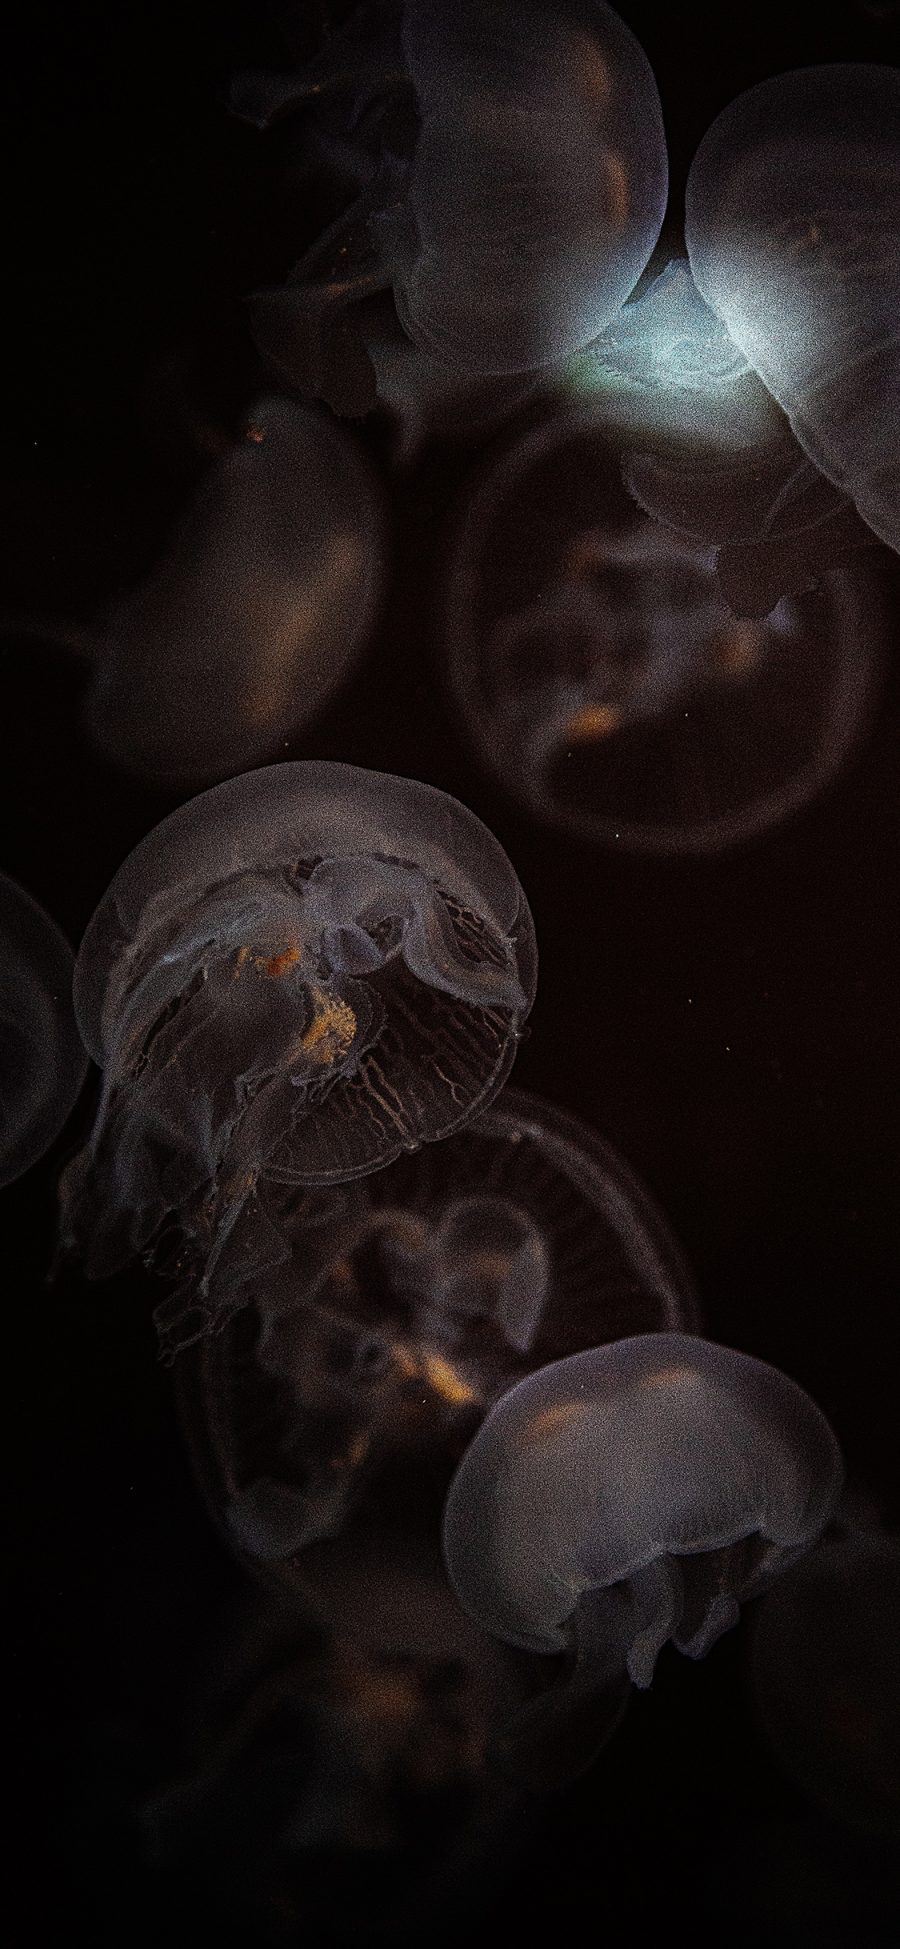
(792, 227)
(344, 1386)
(298, 974)
(256, 614)
(42, 1062)
(704, 447)
(509, 179)
(629, 1496)
(825, 1676)
(600, 672)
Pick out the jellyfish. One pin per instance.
(406, 1303)
(510, 171)
(42, 1062)
(824, 1672)
(254, 617)
(602, 674)
(705, 448)
(331, 1755)
(298, 975)
(630, 1495)
(792, 226)
(756, 384)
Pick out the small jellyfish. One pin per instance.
(825, 1676)
(511, 176)
(401, 1308)
(331, 1757)
(706, 449)
(42, 1062)
(255, 616)
(602, 674)
(297, 975)
(792, 226)
(627, 1496)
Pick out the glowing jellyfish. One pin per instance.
(298, 974)
(792, 226)
(257, 613)
(403, 1306)
(824, 1661)
(511, 172)
(705, 448)
(42, 1062)
(628, 1496)
(600, 671)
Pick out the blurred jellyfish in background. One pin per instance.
(255, 616)
(358, 1369)
(601, 673)
(299, 974)
(332, 1789)
(631, 1495)
(508, 178)
(792, 229)
(42, 1062)
(824, 1652)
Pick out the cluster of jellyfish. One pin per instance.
(439, 1363)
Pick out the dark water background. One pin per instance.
(730, 1026)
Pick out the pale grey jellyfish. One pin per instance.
(256, 614)
(42, 1062)
(511, 177)
(792, 226)
(601, 673)
(296, 976)
(628, 1496)
(825, 1676)
(705, 447)
(402, 1306)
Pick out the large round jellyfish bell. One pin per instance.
(601, 672)
(824, 1665)
(792, 226)
(299, 975)
(511, 171)
(403, 1305)
(628, 1496)
(255, 615)
(42, 1062)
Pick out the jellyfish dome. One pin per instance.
(401, 1307)
(634, 1494)
(42, 1062)
(601, 672)
(511, 171)
(792, 226)
(297, 975)
(257, 613)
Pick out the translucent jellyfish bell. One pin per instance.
(42, 1062)
(630, 1495)
(705, 448)
(511, 167)
(257, 613)
(298, 974)
(824, 1663)
(601, 672)
(401, 1308)
(792, 225)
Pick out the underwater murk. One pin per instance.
(449, 1043)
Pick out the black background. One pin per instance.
(730, 1026)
